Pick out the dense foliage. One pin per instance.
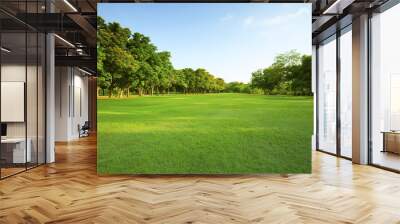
(290, 74)
(128, 62)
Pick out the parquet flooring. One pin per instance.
(10, 171)
(69, 191)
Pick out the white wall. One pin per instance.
(62, 83)
(14, 72)
(81, 102)
(71, 102)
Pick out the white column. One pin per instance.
(50, 101)
(63, 101)
(360, 90)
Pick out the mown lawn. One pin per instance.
(204, 134)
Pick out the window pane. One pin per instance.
(386, 89)
(327, 96)
(346, 93)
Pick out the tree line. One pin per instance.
(129, 63)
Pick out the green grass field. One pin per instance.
(205, 134)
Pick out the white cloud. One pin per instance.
(248, 21)
(281, 19)
(226, 18)
(276, 20)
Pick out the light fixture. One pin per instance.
(78, 44)
(70, 5)
(338, 6)
(86, 72)
(5, 50)
(65, 41)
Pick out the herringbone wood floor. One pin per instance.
(69, 191)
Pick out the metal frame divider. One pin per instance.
(338, 76)
(0, 91)
(26, 86)
(369, 100)
(37, 90)
(317, 97)
(45, 87)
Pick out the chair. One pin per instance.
(84, 130)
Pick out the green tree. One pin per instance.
(289, 74)
(300, 76)
(112, 40)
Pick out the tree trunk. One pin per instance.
(109, 92)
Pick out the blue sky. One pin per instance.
(229, 40)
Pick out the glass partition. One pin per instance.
(327, 95)
(22, 78)
(13, 94)
(385, 89)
